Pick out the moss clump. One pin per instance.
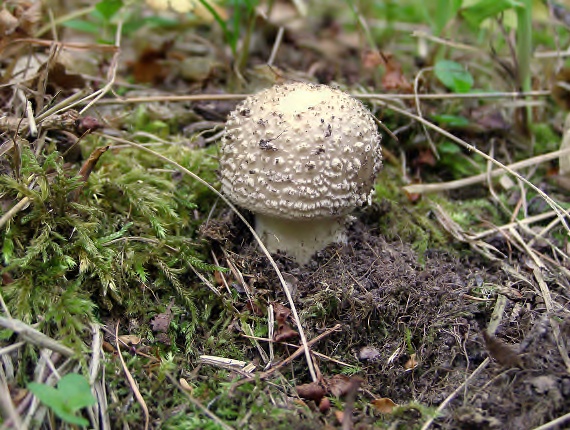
(128, 238)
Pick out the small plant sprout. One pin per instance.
(72, 394)
(301, 157)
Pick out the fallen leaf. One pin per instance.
(161, 322)
(372, 59)
(59, 78)
(8, 22)
(384, 405)
(107, 347)
(324, 405)
(339, 415)
(412, 363)
(149, 67)
(394, 78)
(339, 385)
(185, 385)
(87, 168)
(87, 124)
(313, 391)
(281, 312)
(503, 353)
(130, 339)
(368, 353)
(284, 330)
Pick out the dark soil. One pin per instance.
(393, 303)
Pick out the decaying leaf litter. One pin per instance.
(443, 311)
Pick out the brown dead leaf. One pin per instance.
(161, 322)
(149, 66)
(339, 385)
(371, 59)
(324, 405)
(339, 415)
(8, 22)
(412, 363)
(394, 78)
(91, 162)
(87, 124)
(368, 353)
(130, 339)
(313, 391)
(281, 312)
(560, 93)
(87, 168)
(107, 347)
(284, 330)
(60, 79)
(384, 405)
(503, 353)
(185, 385)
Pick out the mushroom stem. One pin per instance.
(302, 238)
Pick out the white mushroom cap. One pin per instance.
(300, 151)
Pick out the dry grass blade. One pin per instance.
(560, 211)
(11, 416)
(554, 424)
(199, 405)
(132, 382)
(457, 232)
(250, 228)
(484, 177)
(33, 336)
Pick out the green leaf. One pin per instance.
(483, 9)
(72, 393)
(446, 10)
(76, 390)
(108, 8)
(454, 76)
(452, 120)
(82, 25)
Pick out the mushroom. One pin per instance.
(301, 157)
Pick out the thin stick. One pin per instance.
(132, 382)
(34, 336)
(276, 46)
(554, 423)
(560, 212)
(250, 228)
(199, 405)
(528, 220)
(374, 96)
(14, 210)
(12, 419)
(482, 177)
(112, 70)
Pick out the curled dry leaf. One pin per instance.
(284, 330)
(503, 353)
(339, 385)
(412, 363)
(130, 339)
(185, 385)
(368, 353)
(161, 322)
(313, 391)
(394, 78)
(384, 405)
(339, 415)
(324, 405)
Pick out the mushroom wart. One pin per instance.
(301, 157)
